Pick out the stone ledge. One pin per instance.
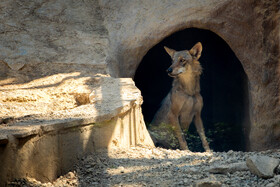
(39, 125)
(46, 145)
(108, 98)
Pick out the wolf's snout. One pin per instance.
(169, 70)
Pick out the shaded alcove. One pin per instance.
(224, 86)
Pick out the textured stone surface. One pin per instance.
(251, 28)
(228, 168)
(52, 31)
(109, 117)
(53, 52)
(262, 166)
(83, 35)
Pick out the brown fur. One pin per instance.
(183, 102)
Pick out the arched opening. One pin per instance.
(224, 88)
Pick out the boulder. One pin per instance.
(262, 166)
(228, 168)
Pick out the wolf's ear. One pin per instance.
(196, 51)
(169, 51)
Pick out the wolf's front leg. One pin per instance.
(178, 132)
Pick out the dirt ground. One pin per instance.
(140, 166)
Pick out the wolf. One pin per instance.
(183, 102)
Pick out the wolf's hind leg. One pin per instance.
(200, 130)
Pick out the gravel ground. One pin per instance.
(140, 166)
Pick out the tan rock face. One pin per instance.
(84, 35)
(251, 28)
(66, 116)
(52, 31)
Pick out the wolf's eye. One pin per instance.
(182, 61)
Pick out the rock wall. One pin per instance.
(54, 31)
(251, 28)
(117, 34)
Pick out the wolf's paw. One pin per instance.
(209, 151)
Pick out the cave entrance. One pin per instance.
(224, 88)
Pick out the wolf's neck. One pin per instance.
(189, 83)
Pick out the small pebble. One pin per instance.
(121, 168)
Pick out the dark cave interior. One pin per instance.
(224, 88)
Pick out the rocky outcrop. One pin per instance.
(53, 31)
(58, 119)
(251, 28)
(115, 35)
(56, 58)
(262, 166)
